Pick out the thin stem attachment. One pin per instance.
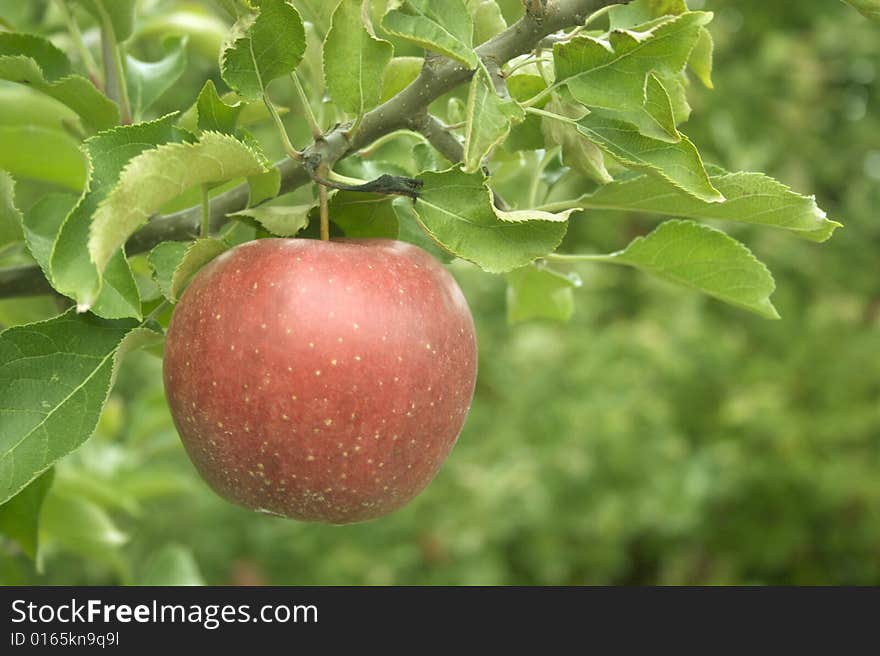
(292, 152)
(307, 107)
(114, 68)
(386, 138)
(538, 175)
(85, 55)
(551, 115)
(581, 203)
(561, 257)
(524, 62)
(534, 100)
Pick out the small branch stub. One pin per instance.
(535, 9)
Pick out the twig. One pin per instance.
(21, 281)
(439, 136)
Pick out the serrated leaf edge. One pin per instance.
(767, 309)
(171, 146)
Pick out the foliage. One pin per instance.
(657, 437)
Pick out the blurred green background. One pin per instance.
(659, 438)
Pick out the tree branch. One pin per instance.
(23, 281)
(439, 136)
(438, 76)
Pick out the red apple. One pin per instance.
(323, 381)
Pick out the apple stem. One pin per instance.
(323, 200)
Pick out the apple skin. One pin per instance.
(322, 381)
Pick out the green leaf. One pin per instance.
(523, 86)
(750, 198)
(362, 215)
(488, 19)
(197, 255)
(120, 13)
(34, 61)
(318, 12)
(24, 155)
(869, 8)
(54, 380)
(73, 272)
(16, 311)
(678, 163)
(43, 111)
(702, 56)
(10, 217)
(20, 515)
(527, 135)
(51, 62)
(399, 73)
(80, 526)
(354, 61)
(172, 565)
(204, 30)
(577, 152)
(106, 491)
(456, 210)
(253, 112)
(705, 259)
(215, 115)
(411, 231)
(263, 186)
(41, 225)
(613, 77)
(163, 259)
(147, 81)
(119, 296)
(174, 263)
(676, 87)
(640, 12)
(425, 158)
(441, 26)
(657, 118)
(539, 293)
(489, 119)
(263, 48)
(157, 176)
(281, 220)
